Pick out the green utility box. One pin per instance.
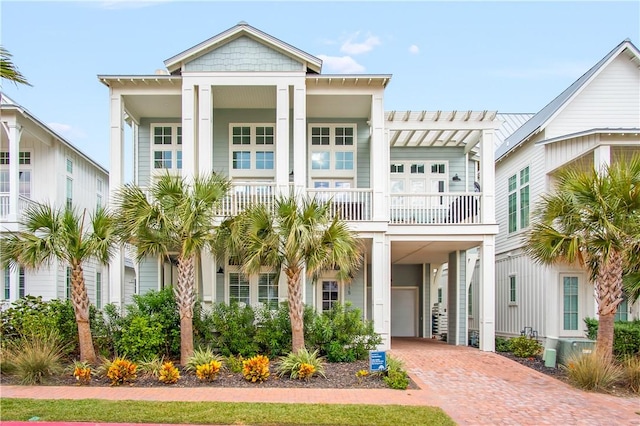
(567, 347)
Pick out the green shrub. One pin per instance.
(341, 335)
(524, 347)
(592, 371)
(502, 345)
(35, 358)
(234, 363)
(626, 336)
(201, 357)
(295, 364)
(235, 329)
(631, 367)
(397, 377)
(140, 339)
(273, 332)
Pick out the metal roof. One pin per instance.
(540, 120)
(509, 123)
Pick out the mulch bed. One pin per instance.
(338, 376)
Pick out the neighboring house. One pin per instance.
(595, 121)
(418, 186)
(39, 165)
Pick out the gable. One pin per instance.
(244, 54)
(610, 100)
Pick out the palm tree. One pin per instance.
(8, 70)
(51, 234)
(592, 220)
(177, 219)
(294, 236)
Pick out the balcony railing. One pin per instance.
(441, 208)
(245, 194)
(5, 200)
(349, 203)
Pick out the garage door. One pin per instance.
(404, 304)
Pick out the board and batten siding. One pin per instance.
(527, 155)
(611, 99)
(529, 309)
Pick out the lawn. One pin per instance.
(92, 410)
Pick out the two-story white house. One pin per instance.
(417, 186)
(39, 165)
(595, 121)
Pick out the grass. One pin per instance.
(93, 410)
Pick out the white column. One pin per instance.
(15, 132)
(205, 130)
(487, 178)
(300, 137)
(379, 167)
(487, 295)
(601, 157)
(381, 289)
(282, 137)
(189, 117)
(116, 179)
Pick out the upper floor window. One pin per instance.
(332, 150)
(69, 166)
(99, 189)
(252, 148)
(24, 158)
(166, 147)
(519, 200)
(69, 193)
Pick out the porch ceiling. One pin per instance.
(435, 252)
(438, 128)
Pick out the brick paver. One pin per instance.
(473, 387)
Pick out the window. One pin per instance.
(98, 290)
(24, 158)
(423, 177)
(622, 314)
(252, 148)
(24, 176)
(330, 294)
(69, 193)
(4, 181)
(68, 284)
(439, 295)
(166, 147)
(519, 200)
(268, 290)
(512, 289)
(22, 282)
(99, 186)
(69, 166)
(24, 183)
(332, 150)
(4, 158)
(239, 288)
(7, 283)
(470, 301)
(570, 303)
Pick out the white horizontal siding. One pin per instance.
(612, 99)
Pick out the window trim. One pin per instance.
(580, 303)
(512, 291)
(328, 276)
(253, 148)
(174, 147)
(333, 149)
(516, 220)
(254, 285)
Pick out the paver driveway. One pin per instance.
(473, 387)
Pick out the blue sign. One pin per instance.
(377, 361)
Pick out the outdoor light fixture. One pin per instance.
(456, 178)
(221, 270)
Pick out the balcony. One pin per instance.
(435, 209)
(23, 204)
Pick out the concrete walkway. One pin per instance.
(473, 387)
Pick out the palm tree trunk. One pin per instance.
(609, 293)
(296, 309)
(185, 299)
(80, 301)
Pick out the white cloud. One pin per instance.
(341, 64)
(414, 49)
(562, 69)
(67, 131)
(351, 47)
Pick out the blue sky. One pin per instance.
(505, 56)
